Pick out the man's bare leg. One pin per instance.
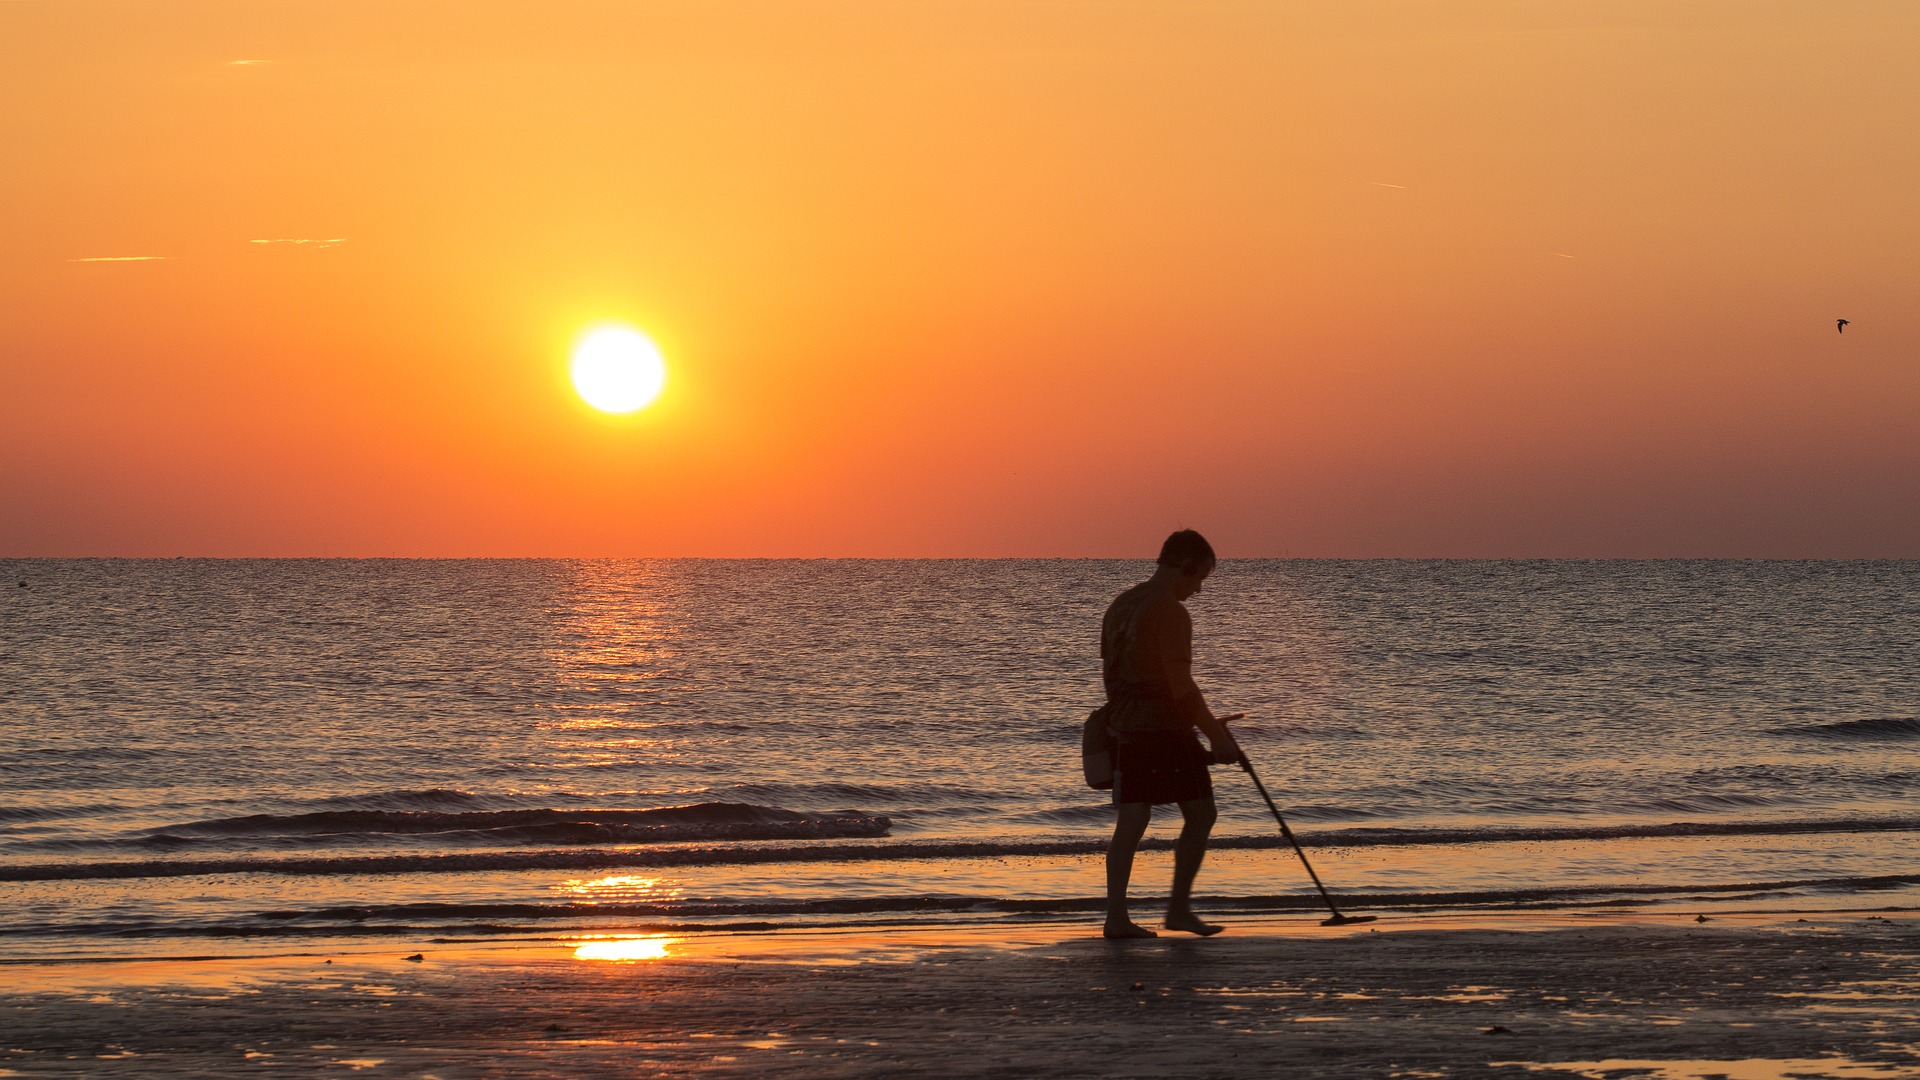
(1197, 824)
(1129, 825)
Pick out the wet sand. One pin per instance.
(1746, 997)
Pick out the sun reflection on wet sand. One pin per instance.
(625, 950)
(1742, 1069)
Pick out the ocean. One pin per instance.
(219, 757)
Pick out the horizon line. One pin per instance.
(1144, 557)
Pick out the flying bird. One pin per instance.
(1843, 326)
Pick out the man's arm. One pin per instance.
(1189, 702)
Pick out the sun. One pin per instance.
(616, 369)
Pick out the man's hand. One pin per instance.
(1226, 751)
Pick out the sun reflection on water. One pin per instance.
(618, 887)
(615, 643)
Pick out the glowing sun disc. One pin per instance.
(618, 370)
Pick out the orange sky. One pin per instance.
(935, 278)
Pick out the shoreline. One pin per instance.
(1493, 994)
(766, 851)
(697, 943)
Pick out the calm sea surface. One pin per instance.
(259, 751)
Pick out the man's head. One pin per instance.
(1188, 555)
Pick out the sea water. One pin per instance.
(264, 751)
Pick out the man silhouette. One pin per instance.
(1153, 707)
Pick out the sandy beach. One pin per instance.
(1496, 995)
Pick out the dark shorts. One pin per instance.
(1160, 767)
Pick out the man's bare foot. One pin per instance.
(1125, 928)
(1191, 923)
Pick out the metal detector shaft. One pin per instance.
(1288, 833)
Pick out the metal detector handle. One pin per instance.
(1247, 764)
(1223, 721)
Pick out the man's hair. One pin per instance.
(1186, 548)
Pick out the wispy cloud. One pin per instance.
(244, 63)
(1400, 187)
(1563, 254)
(121, 258)
(334, 242)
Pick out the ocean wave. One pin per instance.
(444, 799)
(1764, 774)
(1329, 812)
(845, 793)
(1875, 729)
(1707, 802)
(1368, 836)
(37, 762)
(826, 851)
(712, 822)
(10, 815)
(1074, 814)
(668, 824)
(1899, 783)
